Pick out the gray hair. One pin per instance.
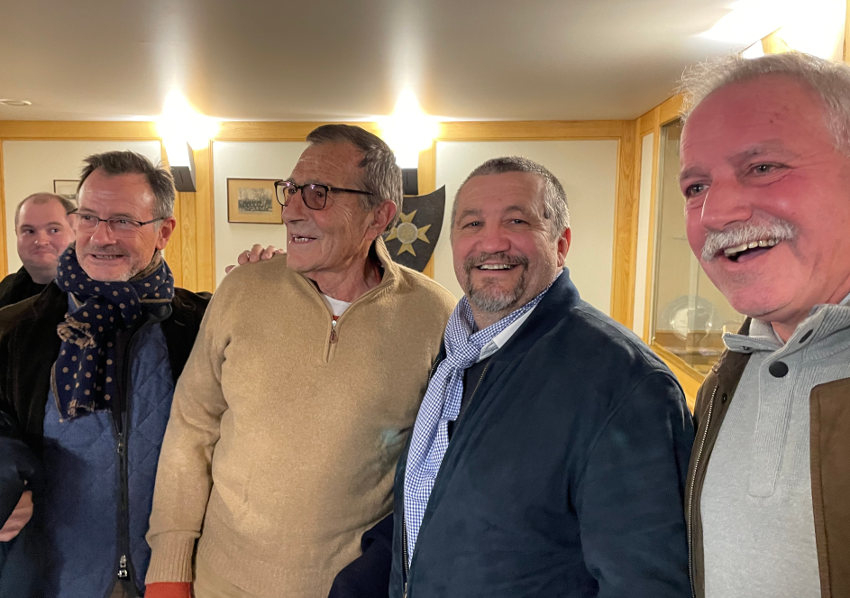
(126, 162)
(381, 174)
(829, 80)
(40, 198)
(555, 208)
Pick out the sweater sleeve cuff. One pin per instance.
(169, 590)
(171, 558)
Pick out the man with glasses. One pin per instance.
(43, 232)
(87, 377)
(300, 393)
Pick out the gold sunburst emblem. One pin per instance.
(407, 233)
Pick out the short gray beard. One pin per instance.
(733, 235)
(488, 302)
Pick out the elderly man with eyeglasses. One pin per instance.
(87, 374)
(300, 392)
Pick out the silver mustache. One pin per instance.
(738, 234)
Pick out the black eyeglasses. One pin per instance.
(118, 224)
(314, 195)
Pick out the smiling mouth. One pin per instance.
(752, 247)
(297, 239)
(494, 262)
(105, 256)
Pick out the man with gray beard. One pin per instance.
(548, 456)
(765, 155)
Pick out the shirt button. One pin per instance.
(778, 369)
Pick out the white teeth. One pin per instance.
(730, 251)
(494, 267)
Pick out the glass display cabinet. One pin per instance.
(688, 314)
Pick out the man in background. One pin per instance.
(765, 171)
(87, 373)
(549, 455)
(301, 390)
(43, 231)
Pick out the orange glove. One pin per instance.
(169, 589)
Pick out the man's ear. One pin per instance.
(381, 218)
(564, 240)
(166, 228)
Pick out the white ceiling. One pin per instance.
(348, 60)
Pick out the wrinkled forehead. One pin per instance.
(334, 163)
(124, 193)
(768, 104)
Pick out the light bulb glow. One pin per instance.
(180, 124)
(408, 130)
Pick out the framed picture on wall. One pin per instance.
(67, 188)
(252, 200)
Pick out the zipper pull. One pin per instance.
(122, 567)
(333, 332)
(122, 446)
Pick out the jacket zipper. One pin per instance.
(125, 564)
(405, 567)
(693, 485)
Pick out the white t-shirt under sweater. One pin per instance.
(756, 504)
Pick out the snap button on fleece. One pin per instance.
(778, 369)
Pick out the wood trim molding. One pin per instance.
(77, 130)
(275, 131)
(625, 230)
(427, 178)
(532, 130)
(651, 237)
(847, 33)
(670, 109)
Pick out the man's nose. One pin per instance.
(494, 239)
(725, 203)
(294, 209)
(102, 233)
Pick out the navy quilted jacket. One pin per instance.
(28, 348)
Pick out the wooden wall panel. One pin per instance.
(3, 261)
(625, 230)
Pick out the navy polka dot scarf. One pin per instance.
(84, 372)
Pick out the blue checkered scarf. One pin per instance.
(430, 438)
(83, 376)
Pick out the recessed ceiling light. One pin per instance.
(14, 102)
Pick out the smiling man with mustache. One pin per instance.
(549, 454)
(765, 171)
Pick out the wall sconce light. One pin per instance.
(410, 181)
(183, 129)
(182, 164)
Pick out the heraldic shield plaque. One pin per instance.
(412, 240)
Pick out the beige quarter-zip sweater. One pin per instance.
(285, 430)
